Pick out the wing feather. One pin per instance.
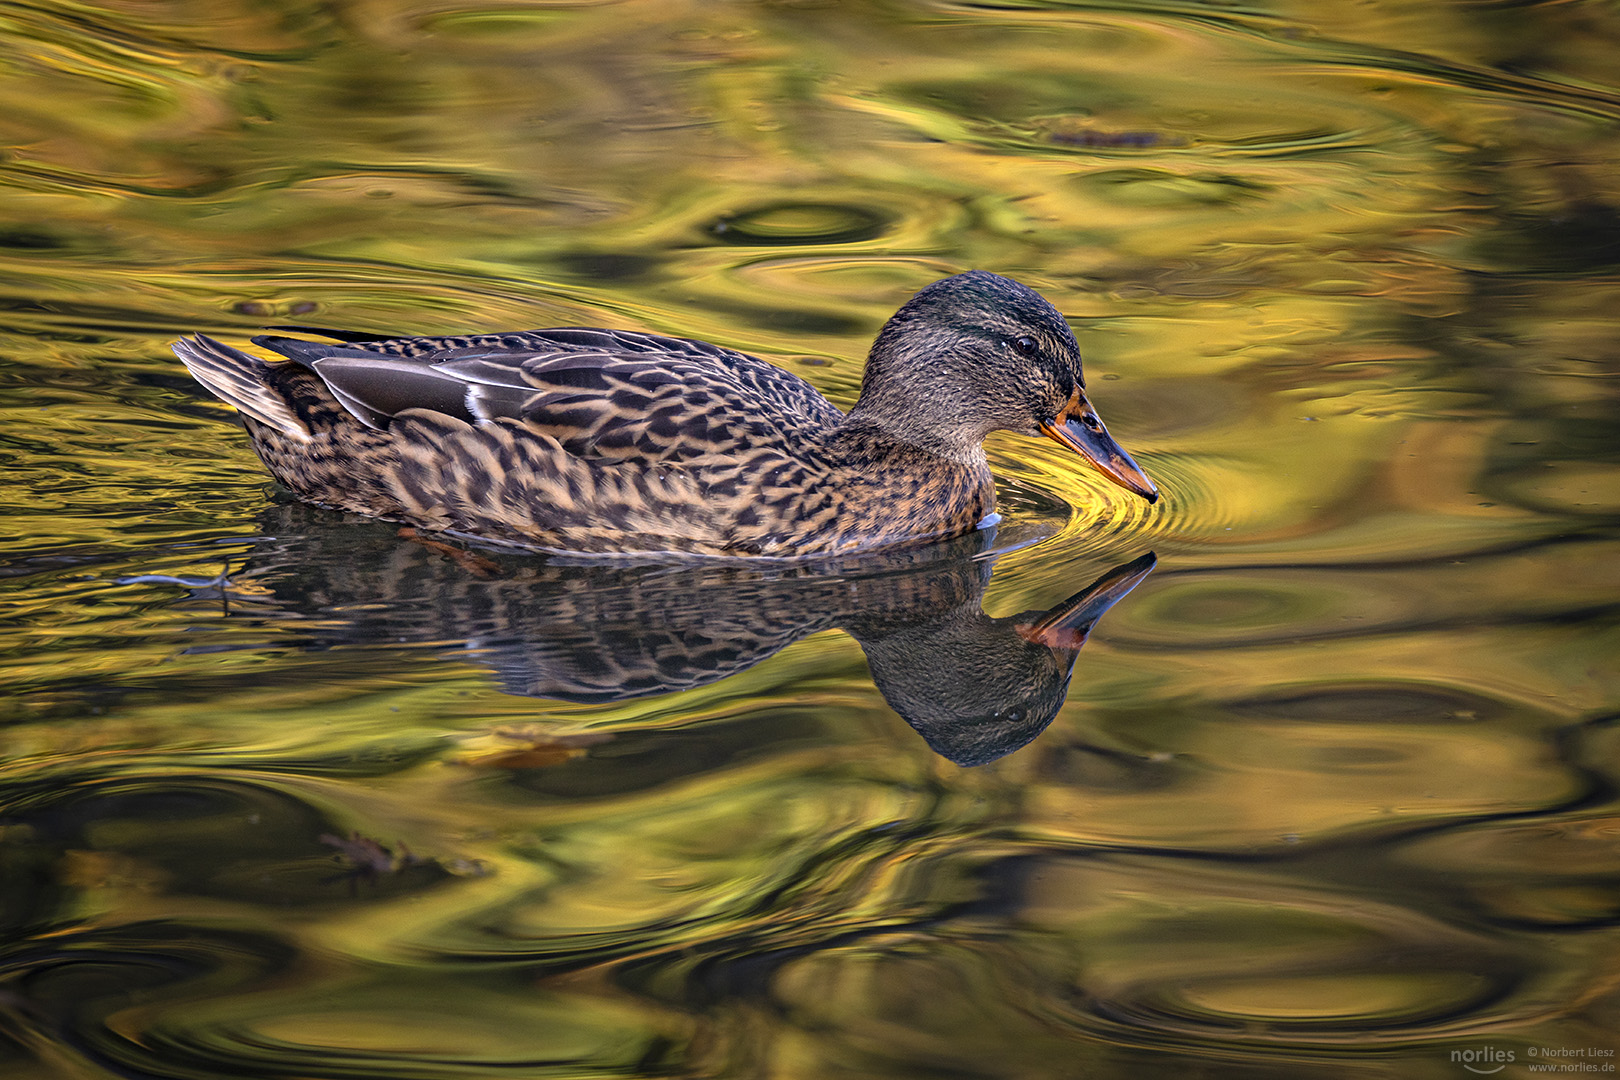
(602, 394)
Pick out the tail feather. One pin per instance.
(240, 380)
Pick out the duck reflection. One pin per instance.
(975, 687)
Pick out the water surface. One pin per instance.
(1332, 792)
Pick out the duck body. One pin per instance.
(613, 441)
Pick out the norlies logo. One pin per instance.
(1485, 1061)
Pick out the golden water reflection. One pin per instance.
(1332, 791)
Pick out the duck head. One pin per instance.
(977, 353)
(977, 688)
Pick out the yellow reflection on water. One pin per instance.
(1326, 997)
(1333, 788)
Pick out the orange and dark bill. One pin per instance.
(1078, 427)
(1068, 625)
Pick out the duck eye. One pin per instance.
(1025, 346)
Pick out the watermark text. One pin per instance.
(1490, 1060)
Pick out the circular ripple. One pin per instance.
(1105, 521)
(1194, 501)
(1303, 1007)
(791, 224)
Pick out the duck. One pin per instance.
(592, 440)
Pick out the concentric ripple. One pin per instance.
(284, 794)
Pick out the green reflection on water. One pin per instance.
(1333, 789)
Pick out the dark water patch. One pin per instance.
(22, 240)
(1326, 796)
(1550, 874)
(1161, 188)
(605, 266)
(1559, 460)
(1104, 768)
(207, 837)
(1379, 704)
(89, 322)
(1093, 138)
(78, 990)
(1577, 239)
(645, 761)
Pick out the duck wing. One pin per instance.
(601, 394)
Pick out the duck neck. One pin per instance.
(911, 489)
(869, 436)
(928, 418)
(916, 393)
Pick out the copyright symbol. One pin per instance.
(1532, 1051)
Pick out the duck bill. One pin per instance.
(1069, 624)
(1079, 428)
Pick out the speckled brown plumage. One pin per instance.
(612, 441)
